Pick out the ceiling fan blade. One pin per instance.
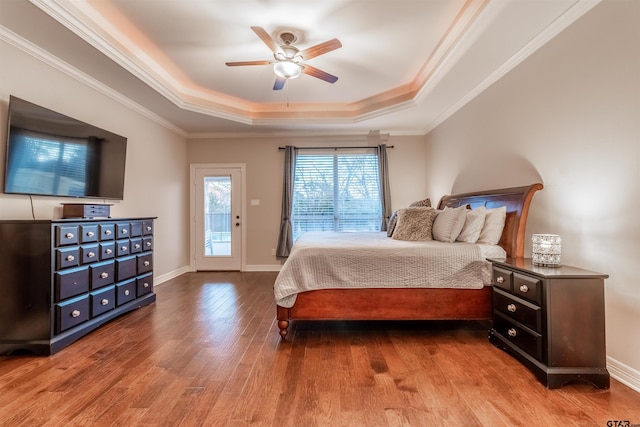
(267, 39)
(322, 75)
(320, 49)
(237, 63)
(279, 84)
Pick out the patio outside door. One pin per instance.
(218, 218)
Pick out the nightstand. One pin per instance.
(552, 320)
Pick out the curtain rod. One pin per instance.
(335, 148)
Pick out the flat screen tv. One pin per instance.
(50, 154)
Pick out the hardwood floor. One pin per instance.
(208, 353)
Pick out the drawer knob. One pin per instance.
(148, 244)
(123, 231)
(75, 313)
(511, 308)
(104, 275)
(126, 292)
(148, 228)
(146, 263)
(108, 251)
(91, 255)
(524, 289)
(69, 235)
(137, 245)
(512, 332)
(500, 279)
(107, 232)
(145, 284)
(90, 233)
(104, 301)
(70, 257)
(123, 248)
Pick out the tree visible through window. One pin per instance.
(336, 192)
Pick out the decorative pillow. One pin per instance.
(449, 223)
(473, 225)
(392, 223)
(414, 224)
(493, 226)
(425, 203)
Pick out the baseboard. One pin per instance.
(623, 373)
(158, 280)
(275, 267)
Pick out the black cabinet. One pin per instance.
(552, 320)
(61, 279)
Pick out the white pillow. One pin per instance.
(493, 226)
(449, 223)
(473, 225)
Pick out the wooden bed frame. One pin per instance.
(420, 303)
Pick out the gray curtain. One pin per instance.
(385, 193)
(285, 239)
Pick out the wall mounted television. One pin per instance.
(50, 154)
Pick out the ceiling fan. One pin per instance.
(289, 60)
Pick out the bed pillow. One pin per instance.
(414, 224)
(449, 223)
(424, 203)
(392, 223)
(493, 226)
(473, 225)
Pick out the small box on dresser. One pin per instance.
(552, 320)
(61, 279)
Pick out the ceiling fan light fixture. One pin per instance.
(287, 69)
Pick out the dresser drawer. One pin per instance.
(145, 263)
(71, 313)
(66, 235)
(136, 229)
(102, 301)
(136, 245)
(123, 230)
(122, 247)
(88, 233)
(67, 257)
(522, 311)
(72, 282)
(107, 231)
(102, 274)
(502, 278)
(107, 250)
(144, 284)
(526, 339)
(147, 243)
(89, 253)
(147, 228)
(125, 292)
(526, 287)
(125, 268)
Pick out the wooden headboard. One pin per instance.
(517, 201)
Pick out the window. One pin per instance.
(336, 192)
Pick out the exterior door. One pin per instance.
(218, 218)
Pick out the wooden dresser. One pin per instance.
(552, 320)
(61, 279)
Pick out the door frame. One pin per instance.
(193, 167)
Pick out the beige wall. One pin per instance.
(569, 116)
(264, 169)
(157, 175)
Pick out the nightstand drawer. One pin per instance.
(528, 340)
(502, 278)
(521, 311)
(71, 313)
(527, 287)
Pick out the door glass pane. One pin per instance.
(217, 215)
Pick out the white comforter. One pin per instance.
(322, 260)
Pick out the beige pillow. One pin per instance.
(449, 223)
(473, 225)
(493, 226)
(414, 224)
(392, 223)
(424, 203)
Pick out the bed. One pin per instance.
(391, 302)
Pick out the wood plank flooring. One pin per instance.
(208, 353)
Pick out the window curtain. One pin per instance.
(285, 239)
(385, 193)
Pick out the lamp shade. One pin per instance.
(287, 69)
(547, 250)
